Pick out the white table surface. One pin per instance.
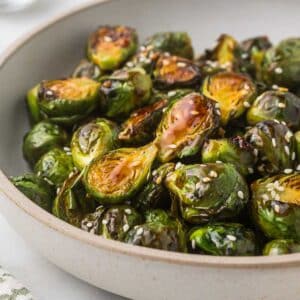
(45, 280)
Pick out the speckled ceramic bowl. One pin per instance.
(135, 272)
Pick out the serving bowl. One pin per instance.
(135, 272)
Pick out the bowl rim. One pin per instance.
(11, 193)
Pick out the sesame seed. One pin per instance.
(39, 173)
(281, 105)
(171, 93)
(244, 55)
(231, 237)
(130, 64)
(213, 173)
(240, 194)
(250, 170)
(167, 54)
(275, 87)
(194, 113)
(67, 149)
(278, 70)
(107, 39)
(247, 104)
(48, 180)
(142, 48)
(255, 152)
(265, 197)
(277, 197)
(104, 222)
(140, 231)
(274, 142)
(206, 179)
(293, 155)
(172, 146)
(277, 208)
(287, 150)
(283, 123)
(276, 121)
(128, 211)
(298, 168)
(219, 162)
(164, 109)
(178, 165)
(288, 136)
(288, 171)
(198, 185)
(126, 227)
(57, 190)
(181, 64)
(89, 224)
(218, 112)
(154, 173)
(193, 243)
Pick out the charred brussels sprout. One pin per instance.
(41, 138)
(54, 166)
(92, 222)
(119, 174)
(110, 46)
(274, 145)
(92, 140)
(206, 192)
(36, 189)
(140, 127)
(227, 239)
(67, 101)
(87, 69)
(279, 105)
(72, 202)
(185, 125)
(174, 71)
(281, 64)
(124, 91)
(276, 206)
(155, 194)
(234, 92)
(279, 247)
(233, 150)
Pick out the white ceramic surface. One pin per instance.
(135, 272)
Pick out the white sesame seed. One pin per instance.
(274, 142)
(250, 170)
(178, 165)
(181, 64)
(164, 109)
(167, 54)
(231, 237)
(104, 222)
(288, 136)
(218, 112)
(39, 173)
(140, 231)
(255, 152)
(107, 39)
(130, 64)
(276, 121)
(171, 93)
(277, 197)
(57, 190)
(247, 104)
(284, 123)
(142, 48)
(265, 197)
(277, 208)
(128, 211)
(126, 227)
(198, 185)
(67, 149)
(298, 168)
(275, 87)
(219, 162)
(281, 105)
(217, 105)
(288, 171)
(244, 55)
(240, 194)
(48, 180)
(172, 146)
(193, 243)
(287, 150)
(89, 224)
(273, 194)
(206, 179)
(278, 70)
(213, 174)
(194, 113)
(293, 155)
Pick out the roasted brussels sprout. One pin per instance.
(279, 105)
(274, 145)
(280, 65)
(72, 202)
(276, 205)
(41, 138)
(206, 192)
(36, 189)
(227, 239)
(140, 127)
(92, 140)
(234, 92)
(174, 71)
(279, 247)
(185, 125)
(67, 101)
(110, 46)
(119, 174)
(92, 222)
(87, 69)
(124, 91)
(155, 194)
(54, 166)
(233, 150)
(160, 231)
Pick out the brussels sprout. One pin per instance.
(155, 194)
(119, 174)
(273, 142)
(92, 140)
(140, 127)
(124, 91)
(66, 101)
(54, 166)
(36, 189)
(41, 138)
(72, 202)
(234, 92)
(233, 150)
(92, 222)
(87, 69)
(276, 206)
(281, 64)
(174, 71)
(110, 46)
(32, 101)
(279, 105)
(206, 192)
(185, 125)
(228, 239)
(279, 247)
(160, 231)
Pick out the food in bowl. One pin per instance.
(153, 147)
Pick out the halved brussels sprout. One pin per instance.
(174, 71)
(87, 69)
(281, 64)
(276, 206)
(279, 247)
(119, 174)
(124, 91)
(140, 127)
(234, 92)
(185, 125)
(110, 46)
(233, 150)
(54, 166)
(155, 194)
(279, 105)
(41, 138)
(223, 239)
(92, 140)
(66, 101)
(274, 145)
(32, 101)
(72, 202)
(36, 189)
(206, 192)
